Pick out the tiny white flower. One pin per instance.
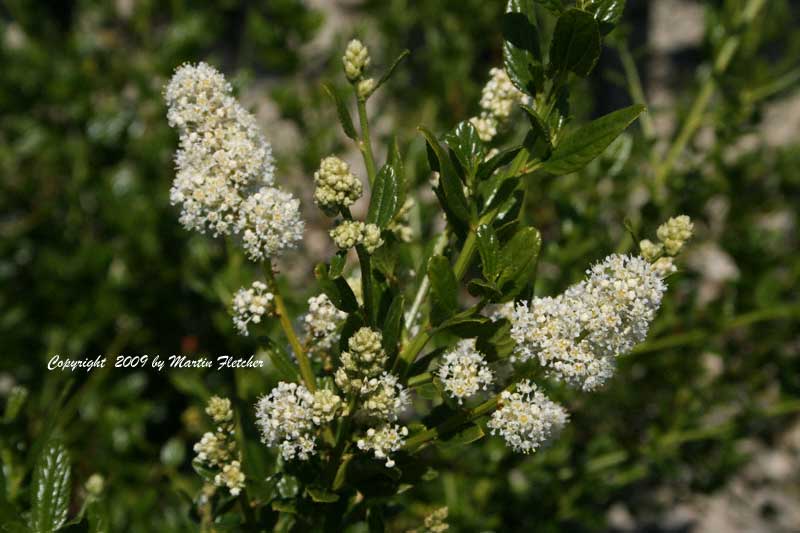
(464, 371)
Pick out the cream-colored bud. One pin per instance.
(675, 232)
(372, 237)
(219, 409)
(337, 187)
(348, 234)
(355, 60)
(365, 88)
(95, 484)
(650, 250)
(665, 266)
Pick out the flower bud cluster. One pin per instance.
(352, 232)
(383, 441)
(231, 477)
(219, 409)
(382, 398)
(355, 60)
(218, 449)
(251, 305)
(497, 101)
(364, 359)
(673, 234)
(223, 158)
(436, 522)
(336, 187)
(289, 416)
(526, 418)
(577, 334)
(464, 371)
(322, 323)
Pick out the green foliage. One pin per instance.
(50, 488)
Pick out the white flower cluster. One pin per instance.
(577, 334)
(351, 232)
(382, 398)
(497, 101)
(289, 415)
(336, 187)
(270, 223)
(383, 441)
(673, 234)
(322, 324)
(464, 371)
(251, 305)
(218, 449)
(436, 522)
(526, 418)
(231, 477)
(219, 409)
(355, 60)
(214, 448)
(222, 160)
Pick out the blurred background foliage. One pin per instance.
(93, 261)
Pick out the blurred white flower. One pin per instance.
(251, 305)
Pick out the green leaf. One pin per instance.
(338, 262)
(285, 506)
(607, 13)
(16, 400)
(454, 201)
(554, 6)
(337, 289)
(50, 489)
(484, 289)
(395, 160)
(487, 168)
(498, 190)
(393, 325)
(538, 141)
(343, 112)
(385, 201)
(282, 362)
(495, 342)
(468, 147)
(469, 434)
(321, 495)
(587, 142)
(518, 260)
(464, 327)
(576, 43)
(488, 248)
(522, 56)
(444, 289)
(388, 74)
(97, 514)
